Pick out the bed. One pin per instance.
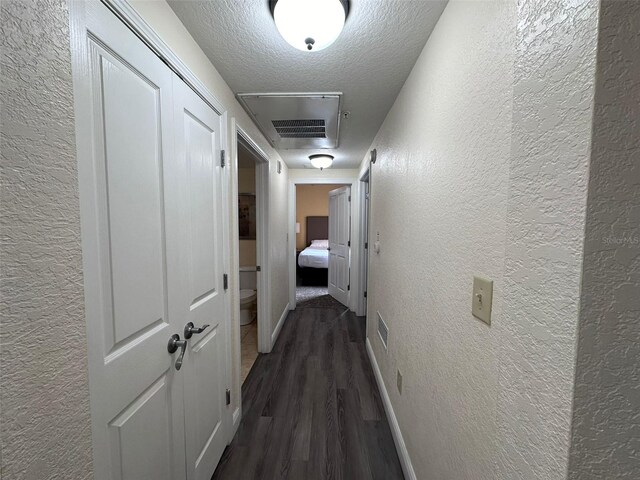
(313, 261)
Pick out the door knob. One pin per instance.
(190, 329)
(173, 345)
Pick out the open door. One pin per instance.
(339, 243)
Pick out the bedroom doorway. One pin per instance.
(312, 242)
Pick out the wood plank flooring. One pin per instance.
(311, 408)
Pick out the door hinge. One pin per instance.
(258, 269)
(349, 243)
(228, 397)
(365, 294)
(366, 245)
(222, 158)
(225, 281)
(349, 197)
(348, 287)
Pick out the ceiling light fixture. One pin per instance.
(321, 160)
(309, 25)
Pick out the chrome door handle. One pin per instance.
(173, 345)
(190, 329)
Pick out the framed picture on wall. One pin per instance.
(247, 216)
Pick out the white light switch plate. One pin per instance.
(482, 298)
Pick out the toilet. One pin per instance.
(248, 294)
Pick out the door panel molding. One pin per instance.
(133, 380)
(340, 243)
(138, 25)
(204, 302)
(135, 383)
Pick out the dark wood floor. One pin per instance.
(311, 408)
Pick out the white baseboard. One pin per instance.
(403, 454)
(237, 416)
(276, 332)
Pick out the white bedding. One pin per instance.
(315, 256)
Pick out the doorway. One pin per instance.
(251, 187)
(315, 225)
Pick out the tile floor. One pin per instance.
(248, 347)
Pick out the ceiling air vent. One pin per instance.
(296, 120)
(300, 128)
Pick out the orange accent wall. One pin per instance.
(311, 201)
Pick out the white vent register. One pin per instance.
(296, 120)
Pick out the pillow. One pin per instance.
(320, 243)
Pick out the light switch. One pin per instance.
(482, 298)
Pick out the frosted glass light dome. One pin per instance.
(309, 25)
(321, 161)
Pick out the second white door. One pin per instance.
(202, 297)
(339, 243)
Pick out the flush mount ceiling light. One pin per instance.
(309, 25)
(321, 160)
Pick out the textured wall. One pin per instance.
(163, 20)
(482, 169)
(279, 241)
(44, 413)
(606, 424)
(439, 194)
(548, 173)
(327, 173)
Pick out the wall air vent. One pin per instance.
(383, 331)
(296, 120)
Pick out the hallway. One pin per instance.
(427, 211)
(311, 408)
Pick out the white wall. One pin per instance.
(322, 175)
(162, 19)
(548, 179)
(606, 425)
(45, 427)
(482, 169)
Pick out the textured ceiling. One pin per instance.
(368, 63)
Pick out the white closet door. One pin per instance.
(131, 249)
(202, 299)
(339, 233)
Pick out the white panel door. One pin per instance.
(130, 250)
(339, 239)
(202, 299)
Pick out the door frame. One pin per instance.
(262, 239)
(355, 251)
(363, 261)
(124, 12)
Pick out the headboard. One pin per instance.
(317, 229)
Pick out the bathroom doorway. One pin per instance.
(251, 187)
